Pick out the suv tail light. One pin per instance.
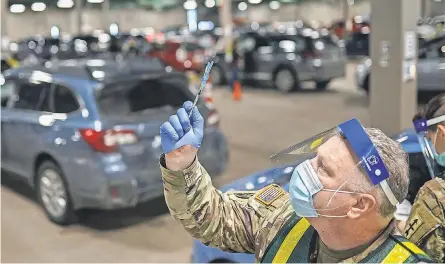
(213, 118)
(107, 141)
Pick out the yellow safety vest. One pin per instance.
(293, 243)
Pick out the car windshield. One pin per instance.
(190, 46)
(133, 98)
(325, 43)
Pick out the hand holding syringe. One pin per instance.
(205, 77)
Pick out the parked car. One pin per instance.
(357, 44)
(430, 68)
(286, 60)
(281, 176)
(181, 55)
(85, 133)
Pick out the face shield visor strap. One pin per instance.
(368, 155)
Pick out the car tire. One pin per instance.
(51, 185)
(285, 80)
(321, 86)
(221, 261)
(366, 85)
(217, 75)
(4, 66)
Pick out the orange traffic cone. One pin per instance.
(207, 93)
(237, 94)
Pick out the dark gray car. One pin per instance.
(286, 60)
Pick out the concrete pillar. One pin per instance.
(106, 12)
(393, 91)
(345, 13)
(4, 17)
(225, 17)
(77, 17)
(426, 8)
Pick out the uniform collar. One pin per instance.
(378, 240)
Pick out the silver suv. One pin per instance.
(285, 60)
(430, 67)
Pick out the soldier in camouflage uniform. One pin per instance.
(359, 227)
(426, 224)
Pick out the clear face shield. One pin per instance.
(426, 131)
(328, 166)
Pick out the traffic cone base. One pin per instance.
(237, 94)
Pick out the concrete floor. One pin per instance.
(264, 122)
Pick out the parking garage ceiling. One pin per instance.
(149, 4)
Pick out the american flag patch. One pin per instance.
(269, 194)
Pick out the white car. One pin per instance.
(430, 67)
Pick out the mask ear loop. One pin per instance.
(333, 216)
(336, 191)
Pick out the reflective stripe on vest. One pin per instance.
(399, 254)
(291, 244)
(291, 241)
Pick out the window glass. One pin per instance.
(64, 100)
(433, 49)
(127, 99)
(290, 44)
(32, 96)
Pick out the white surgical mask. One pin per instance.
(304, 184)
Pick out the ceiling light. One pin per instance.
(65, 3)
(17, 8)
(95, 1)
(190, 5)
(242, 6)
(274, 5)
(210, 3)
(255, 1)
(38, 6)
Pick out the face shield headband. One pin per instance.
(422, 127)
(312, 148)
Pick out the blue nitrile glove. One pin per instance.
(177, 132)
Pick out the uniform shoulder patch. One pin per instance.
(269, 194)
(412, 226)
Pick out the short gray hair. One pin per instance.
(396, 162)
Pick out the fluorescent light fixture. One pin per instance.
(255, 1)
(210, 3)
(17, 8)
(95, 1)
(242, 6)
(274, 5)
(190, 5)
(38, 6)
(65, 3)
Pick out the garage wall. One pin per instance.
(30, 23)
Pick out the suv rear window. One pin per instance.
(325, 43)
(125, 99)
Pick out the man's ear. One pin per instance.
(364, 205)
(441, 130)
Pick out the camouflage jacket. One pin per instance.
(426, 224)
(244, 222)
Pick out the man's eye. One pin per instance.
(321, 169)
